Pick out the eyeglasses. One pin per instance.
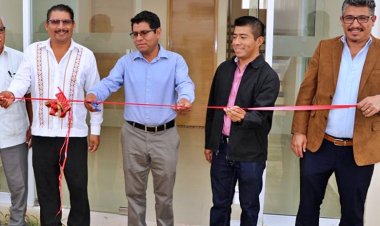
(2, 30)
(143, 33)
(57, 22)
(350, 19)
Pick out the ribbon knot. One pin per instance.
(60, 106)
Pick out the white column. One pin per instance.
(27, 22)
(269, 32)
(27, 39)
(376, 28)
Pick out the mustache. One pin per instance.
(355, 28)
(61, 30)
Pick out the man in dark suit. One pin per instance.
(237, 138)
(343, 70)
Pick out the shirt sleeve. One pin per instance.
(184, 84)
(96, 118)
(111, 83)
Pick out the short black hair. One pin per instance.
(60, 7)
(360, 3)
(148, 17)
(258, 28)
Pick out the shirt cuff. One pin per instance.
(95, 129)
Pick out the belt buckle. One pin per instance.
(336, 142)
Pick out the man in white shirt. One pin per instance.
(14, 135)
(59, 62)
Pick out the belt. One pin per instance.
(225, 139)
(339, 141)
(153, 128)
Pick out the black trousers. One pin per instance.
(46, 172)
(353, 182)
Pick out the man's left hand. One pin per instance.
(369, 105)
(93, 143)
(183, 106)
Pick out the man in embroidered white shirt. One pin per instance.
(14, 135)
(47, 65)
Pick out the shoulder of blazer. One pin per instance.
(332, 42)
(375, 42)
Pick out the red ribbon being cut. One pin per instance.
(60, 106)
(275, 108)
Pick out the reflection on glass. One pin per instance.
(104, 28)
(299, 25)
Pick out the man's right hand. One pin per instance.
(208, 155)
(6, 99)
(299, 142)
(90, 98)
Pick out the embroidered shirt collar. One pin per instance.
(47, 45)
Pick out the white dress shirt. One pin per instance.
(340, 122)
(14, 120)
(75, 74)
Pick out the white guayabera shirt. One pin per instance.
(75, 74)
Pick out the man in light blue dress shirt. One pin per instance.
(150, 141)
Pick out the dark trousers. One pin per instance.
(46, 171)
(224, 175)
(353, 182)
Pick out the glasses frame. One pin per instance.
(56, 22)
(142, 33)
(2, 30)
(364, 18)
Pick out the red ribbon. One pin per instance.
(59, 107)
(275, 108)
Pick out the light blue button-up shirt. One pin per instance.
(341, 121)
(164, 80)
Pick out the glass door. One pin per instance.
(12, 16)
(297, 27)
(103, 27)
